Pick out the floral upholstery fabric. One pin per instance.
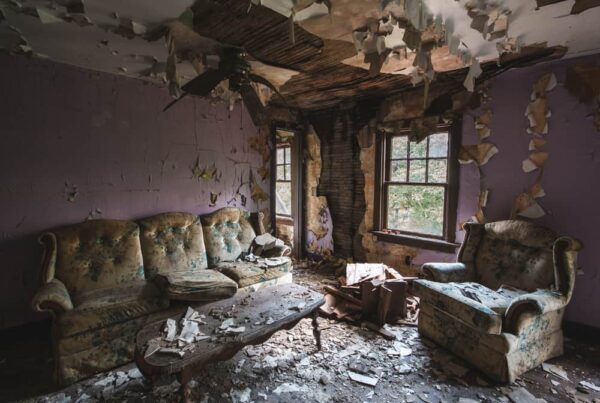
(515, 328)
(53, 296)
(172, 242)
(472, 303)
(198, 285)
(97, 254)
(246, 273)
(227, 234)
(102, 308)
(517, 254)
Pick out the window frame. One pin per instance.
(445, 242)
(287, 168)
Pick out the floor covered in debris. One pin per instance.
(288, 368)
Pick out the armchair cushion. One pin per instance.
(471, 303)
(52, 296)
(98, 254)
(197, 285)
(515, 253)
(227, 234)
(172, 242)
(446, 272)
(246, 273)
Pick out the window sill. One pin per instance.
(416, 241)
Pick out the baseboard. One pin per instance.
(581, 332)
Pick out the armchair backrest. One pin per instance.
(511, 252)
(227, 233)
(172, 242)
(96, 254)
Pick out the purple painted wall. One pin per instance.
(107, 136)
(571, 176)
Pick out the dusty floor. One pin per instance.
(288, 368)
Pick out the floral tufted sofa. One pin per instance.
(500, 307)
(102, 280)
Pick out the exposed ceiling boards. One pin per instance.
(325, 50)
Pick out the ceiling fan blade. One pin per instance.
(261, 80)
(173, 102)
(253, 104)
(204, 83)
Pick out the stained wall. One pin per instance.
(76, 145)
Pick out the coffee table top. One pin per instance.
(262, 313)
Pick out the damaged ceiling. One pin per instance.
(317, 53)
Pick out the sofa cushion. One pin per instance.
(98, 309)
(98, 254)
(198, 285)
(471, 303)
(172, 242)
(227, 234)
(246, 273)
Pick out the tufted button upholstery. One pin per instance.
(86, 255)
(172, 242)
(227, 234)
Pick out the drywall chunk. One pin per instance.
(474, 72)
(480, 154)
(526, 206)
(536, 160)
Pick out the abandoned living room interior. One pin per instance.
(346, 201)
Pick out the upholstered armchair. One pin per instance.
(93, 284)
(500, 306)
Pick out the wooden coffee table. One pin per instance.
(262, 313)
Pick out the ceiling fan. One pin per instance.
(231, 63)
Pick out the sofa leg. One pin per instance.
(316, 330)
(185, 390)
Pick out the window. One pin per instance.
(416, 194)
(283, 186)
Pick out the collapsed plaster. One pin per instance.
(319, 240)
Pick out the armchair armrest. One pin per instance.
(536, 303)
(445, 272)
(53, 297)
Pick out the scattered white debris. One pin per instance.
(170, 330)
(367, 380)
(555, 370)
(241, 396)
(589, 385)
(289, 388)
(522, 395)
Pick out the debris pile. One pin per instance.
(371, 295)
(178, 340)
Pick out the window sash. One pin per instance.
(387, 182)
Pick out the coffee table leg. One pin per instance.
(185, 389)
(316, 331)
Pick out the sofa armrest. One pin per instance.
(565, 252)
(532, 304)
(54, 297)
(48, 264)
(445, 272)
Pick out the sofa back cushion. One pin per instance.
(227, 233)
(98, 254)
(172, 242)
(515, 253)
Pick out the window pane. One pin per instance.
(437, 171)
(283, 205)
(288, 172)
(417, 208)
(416, 172)
(438, 145)
(418, 150)
(280, 157)
(398, 171)
(399, 147)
(280, 172)
(288, 153)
